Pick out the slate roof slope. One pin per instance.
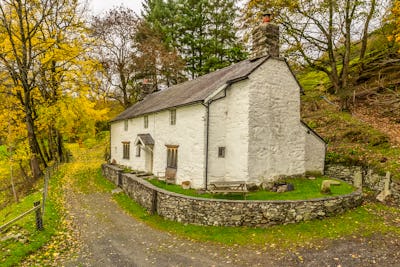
(191, 91)
(146, 139)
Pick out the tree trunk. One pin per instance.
(34, 161)
(364, 40)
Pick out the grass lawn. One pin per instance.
(13, 251)
(304, 189)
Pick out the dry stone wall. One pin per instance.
(367, 177)
(215, 212)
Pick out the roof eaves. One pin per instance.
(314, 132)
(297, 81)
(158, 110)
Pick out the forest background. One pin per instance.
(64, 74)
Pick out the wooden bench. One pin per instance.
(228, 187)
(168, 176)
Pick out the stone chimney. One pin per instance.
(265, 38)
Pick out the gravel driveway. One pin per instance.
(110, 237)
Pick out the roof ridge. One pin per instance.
(191, 91)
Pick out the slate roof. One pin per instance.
(146, 139)
(192, 91)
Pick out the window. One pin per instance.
(172, 116)
(172, 156)
(138, 148)
(126, 125)
(221, 152)
(126, 148)
(146, 121)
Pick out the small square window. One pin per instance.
(172, 116)
(146, 121)
(221, 152)
(126, 125)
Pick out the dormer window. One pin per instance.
(172, 116)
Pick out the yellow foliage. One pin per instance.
(396, 20)
(46, 73)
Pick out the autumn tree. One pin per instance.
(43, 62)
(136, 61)
(320, 34)
(156, 63)
(114, 34)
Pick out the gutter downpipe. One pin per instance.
(207, 135)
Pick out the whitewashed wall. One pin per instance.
(315, 150)
(257, 121)
(229, 128)
(188, 134)
(277, 143)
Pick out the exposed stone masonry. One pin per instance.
(204, 211)
(265, 40)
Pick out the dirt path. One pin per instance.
(113, 238)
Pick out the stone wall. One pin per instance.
(368, 177)
(204, 211)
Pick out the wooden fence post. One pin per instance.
(153, 209)
(39, 219)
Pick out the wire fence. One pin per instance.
(38, 206)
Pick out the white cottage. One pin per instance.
(240, 123)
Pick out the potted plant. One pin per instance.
(186, 184)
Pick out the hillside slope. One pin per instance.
(368, 135)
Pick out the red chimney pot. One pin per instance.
(266, 18)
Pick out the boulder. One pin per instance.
(252, 187)
(290, 187)
(268, 186)
(116, 191)
(282, 188)
(326, 186)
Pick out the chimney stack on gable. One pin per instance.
(265, 38)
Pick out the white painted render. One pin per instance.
(229, 128)
(314, 149)
(188, 134)
(276, 144)
(257, 120)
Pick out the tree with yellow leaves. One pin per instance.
(45, 65)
